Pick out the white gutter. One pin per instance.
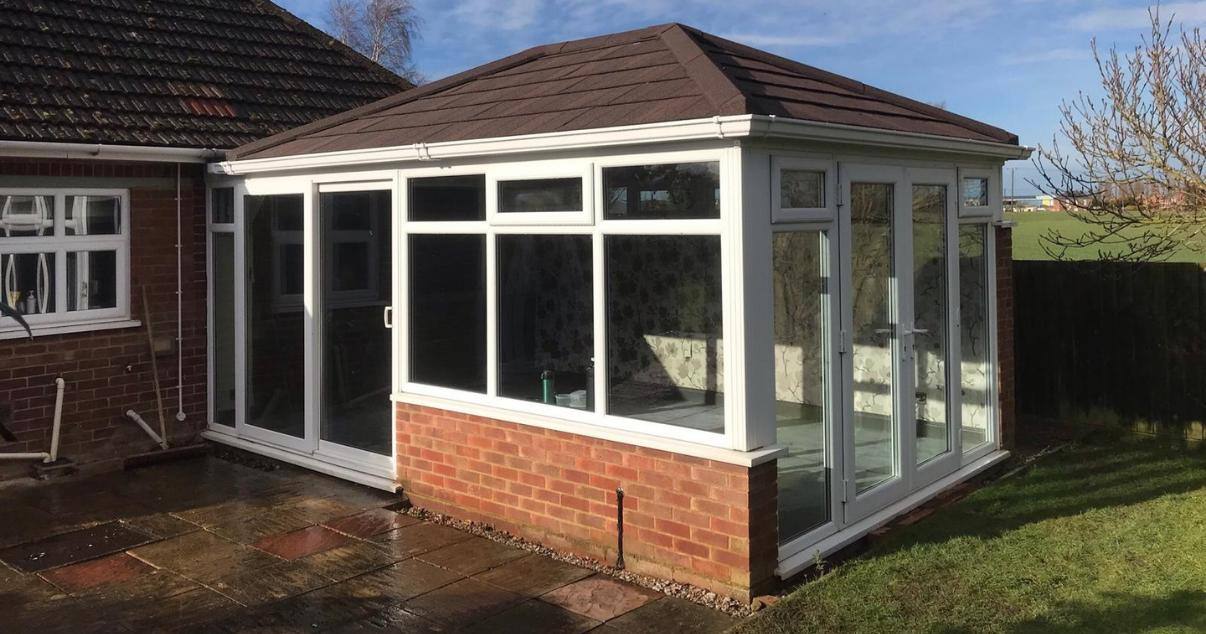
(690, 130)
(38, 149)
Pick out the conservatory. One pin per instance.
(748, 303)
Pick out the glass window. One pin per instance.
(222, 205)
(92, 215)
(801, 189)
(664, 349)
(930, 307)
(28, 282)
(25, 216)
(679, 191)
(976, 368)
(91, 280)
(975, 192)
(546, 319)
(448, 198)
(223, 267)
(801, 288)
(448, 311)
(275, 343)
(540, 195)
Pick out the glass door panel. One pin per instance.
(354, 343)
(930, 310)
(802, 317)
(873, 335)
(275, 315)
(975, 369)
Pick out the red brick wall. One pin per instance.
(108, 372)
(1005, 358)
(691, 519)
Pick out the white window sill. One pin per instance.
(670, 445)
(66, 328)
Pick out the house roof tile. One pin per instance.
(173, 73)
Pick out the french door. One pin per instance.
(897, 266)
(313, 353)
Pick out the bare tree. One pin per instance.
(1133, 161)
(381, 30)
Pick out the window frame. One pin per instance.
(60, 244)
(540, 170)
(595, 422)
(992, 429)
(992, 179)
(781, 214)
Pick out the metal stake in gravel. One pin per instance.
(619, 529)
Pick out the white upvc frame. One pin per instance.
(60, 244)
(224, 228)
(829, 194)
(993, 427)
(992, 179)
(640, 431)
(540, 170)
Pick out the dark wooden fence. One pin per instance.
(1104, 340)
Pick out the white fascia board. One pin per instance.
(772, 127)
(737, 126)
(100, 151)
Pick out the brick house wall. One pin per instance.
(109, 371)
(691, 519)
(1005, 351)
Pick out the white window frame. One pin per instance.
(580, 421)
(540, 170)
(59, 244)
(992, 429)
(780, 214)
(992, 180)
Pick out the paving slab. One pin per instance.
(533, 575)
(402, 581)
(600, 598)
(72, 547)
(189, 608)
(271, 583)
(307, 541)
(671, 614)
(161, 525)
(97, 572)
(203, 556)
(461, 603)
(472, 555)
(538, 617)
(393, 618)
(350, 560)
(371, 522)
(420, 538)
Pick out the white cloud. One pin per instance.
(1042, 55)
(1137, 17)
(513, 15)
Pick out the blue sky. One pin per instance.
(1005, 62)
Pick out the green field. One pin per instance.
(1031, 225)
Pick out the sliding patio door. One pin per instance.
(896, 259)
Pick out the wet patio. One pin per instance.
(213, 545)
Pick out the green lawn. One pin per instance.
(1031, 225)
(1105, 538)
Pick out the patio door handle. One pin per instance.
(918, 331)
(387, 316)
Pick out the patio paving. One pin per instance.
(210, 545)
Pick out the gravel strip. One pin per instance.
(686, 591)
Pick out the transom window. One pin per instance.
(63, 255)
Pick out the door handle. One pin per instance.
(918, 331)
(883, 331)
(387, 316)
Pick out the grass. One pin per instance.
(1095, 538)
(1032, 225)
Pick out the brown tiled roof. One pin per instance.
(660, 73)
(182, 73)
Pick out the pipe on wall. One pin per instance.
(133, 415)
(53, 454)
(180, 416)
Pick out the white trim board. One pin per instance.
(728, 127)
(794, 562)
(101, 151)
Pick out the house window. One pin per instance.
(664, 324)
(975, 192)
(540, 195)
(448, 311)
(976, 367)
(63, 256)
(802, 189)
(443, 198)
(672, 191)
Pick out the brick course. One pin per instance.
(109, 371)
(695, 520)
(1005, 358)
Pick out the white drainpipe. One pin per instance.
(53, 454)
(133, 415)
(179, 307)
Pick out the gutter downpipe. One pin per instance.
(180, 416)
